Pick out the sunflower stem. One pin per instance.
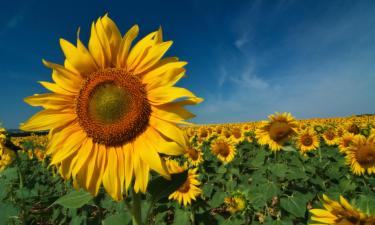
(136, 209)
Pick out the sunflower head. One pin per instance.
(341, 213)
(189, 190)
(307, 140)
(361, 155)
(235, 204)
(223, 149)
(277, 131)
(113, 108)
(194, 155)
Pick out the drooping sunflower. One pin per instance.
(224, 149)
(194, 155)
(113, 109)
(339, 213)
(307, 140)
(235, 204)
(189, 190)
(277, 131)
(360, 155)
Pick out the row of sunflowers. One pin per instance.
(220, 156)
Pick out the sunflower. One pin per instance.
(223, 149)
(353, 128)
(189, 190)
(360, 155)
(194, 155)
(277, 131)
(307, 140)
(339, 213)
(345, 141)
(235, 204)
(330, 136)
(113, 109)
(6, 157)
(237, 135)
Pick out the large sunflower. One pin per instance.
(339, 213)
(277, 131)
(360, 155)
(113, 109)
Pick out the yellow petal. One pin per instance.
(113, 36)
(73, 142)
(169, 130)
(125, 46)
(79, 57)
(163, 95)
(56, 88)
(97, 49)
(171, 116)
(51, 101)
(48, 119)
(139, 51)
(101, 164)
(165, 75)
(148, 153)
(128, 159)
(64, 77)
(110, 177)
(82, 155)
(121, 168)
(164, 146)
(152, 56)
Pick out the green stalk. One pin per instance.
(136, 209)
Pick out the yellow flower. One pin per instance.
(189, 190)
(277, 131)
(307, 140)
(194, 155)
(6, 157)
(223, 149)
(113, 109)
(339, 213)
(330, 136)
(345, 141)
(235, 204)
(360, 155)
(237, 135)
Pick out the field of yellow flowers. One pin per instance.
(278, 171)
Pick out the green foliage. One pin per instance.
(278, 190)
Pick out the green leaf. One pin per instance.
(366, 203)
(75, 199)
(259, 159)
(222, 170)
(122, 218)
(278, 169)
(217, 199)
(295, 204)
(6, 212)
(160, 187)
(181, 217)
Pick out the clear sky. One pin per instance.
(247, 59)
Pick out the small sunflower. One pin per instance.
(339, 213)
(277, 131)
(194, 155)
(113, 109)
(345, 141)
(307, 140)
(330, 136)
(360, 155)
(235, 204)
(353, 128)
(189, 190)
(237, 135)
(223, 149)
(6, 157)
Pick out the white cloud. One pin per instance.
(332, 75)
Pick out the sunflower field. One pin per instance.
(112, 145)
(227, 176)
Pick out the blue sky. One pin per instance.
(247, 59)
